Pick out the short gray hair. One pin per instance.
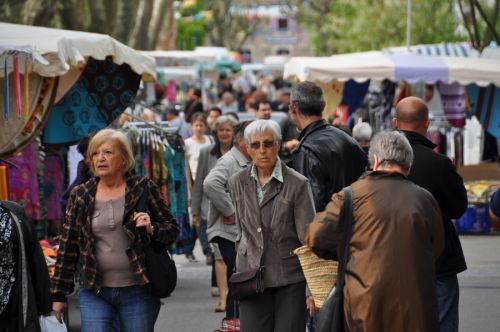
(391, 148)
(362, 132)
(225, 119)
(308, 97)
(260, 127)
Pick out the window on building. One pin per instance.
(283, 51)
(283, 24)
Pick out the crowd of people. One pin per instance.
(259, 190)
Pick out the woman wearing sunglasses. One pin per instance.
(273, 205)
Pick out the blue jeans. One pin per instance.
(448, 294)
(202, 235)
(124, 309)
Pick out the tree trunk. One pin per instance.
(111, 15)
(167, 36)
(140, 39)
(98, 20)
(126, 21)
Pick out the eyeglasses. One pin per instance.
(258, 145)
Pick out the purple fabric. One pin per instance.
(415, 68)
(53, 186)
(23, 182)
(453, 99)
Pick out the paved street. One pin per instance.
(191, 308)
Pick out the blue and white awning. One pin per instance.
(395, 67)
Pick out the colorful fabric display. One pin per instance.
(453, 99)
(483, 101)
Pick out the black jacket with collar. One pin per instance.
(329, 158)
(436, 173)
(37, 285)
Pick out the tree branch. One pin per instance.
(491, 27)
(467, 26)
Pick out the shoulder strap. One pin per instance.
(347, 224)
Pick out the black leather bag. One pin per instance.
(330, 318)
(244, 284)
(160, 268)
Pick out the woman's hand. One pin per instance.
(142, 219)
(196, 220)
(58, 309)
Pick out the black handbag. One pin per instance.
(330, 318)
(244, 284)
(160, 268)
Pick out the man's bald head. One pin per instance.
(412, 114)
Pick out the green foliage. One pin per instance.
(190, 34)
(362, 25)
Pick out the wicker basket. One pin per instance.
(320, 274)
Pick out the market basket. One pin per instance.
(320, 274)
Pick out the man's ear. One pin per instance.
(394, 122)
(376, 163)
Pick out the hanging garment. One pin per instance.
(23, 181)
(453, 99)
(485, 103)
(53, 186)
(332, 94)
(100, 95)
(353, 94)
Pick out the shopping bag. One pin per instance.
(51, 324)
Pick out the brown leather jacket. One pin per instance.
(390, 283)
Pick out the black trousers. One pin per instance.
(278, 309)
(228, 251)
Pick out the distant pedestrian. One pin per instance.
(221, 219)
(273, 205)
(224, 132)
(390, 280)
(362, 133)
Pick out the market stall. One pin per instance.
(461, 87)
(57, 86)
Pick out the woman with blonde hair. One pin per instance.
(102, 240)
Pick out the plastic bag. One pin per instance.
(51, 324)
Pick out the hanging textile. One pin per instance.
(53, 186)
(5, 92)
(100, 95)
(353, 94)
(23, 181)
(186, 239)
(453, 99)
(17, 132)
(4, 184)
(485, 103)
(332, 94)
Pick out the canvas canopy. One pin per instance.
(55, 51)
(395, 67)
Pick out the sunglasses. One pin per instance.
(265, 144)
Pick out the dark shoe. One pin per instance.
(191, 257)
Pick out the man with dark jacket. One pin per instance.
(327, 156)
(438, 175)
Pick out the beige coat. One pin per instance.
(390, 283)
(269, 232)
